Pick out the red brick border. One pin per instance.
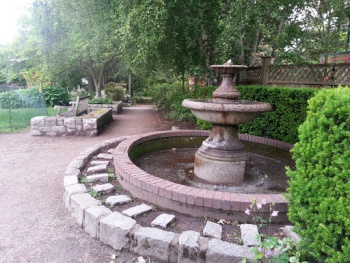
(138, 181)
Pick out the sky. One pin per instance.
(10, 12)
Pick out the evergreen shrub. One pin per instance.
(288, 111)
(56, 96)
(115, 91)
(319, 191)
(288, 108)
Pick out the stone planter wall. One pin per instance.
(90, 124)
(116, 106)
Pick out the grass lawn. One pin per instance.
(20, 118)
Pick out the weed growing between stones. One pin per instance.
(93, 193)
(272, 248)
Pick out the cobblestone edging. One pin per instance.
(187, 199)
(90, 124)
(122, 232)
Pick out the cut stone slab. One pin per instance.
(70, 190)
(189, 247)
(288, 230)
(111, 151)
(163, 220)
(224, 252)
(97, 168)
(79, 203)
(92, 219)
(103, 188)
(118, 200)
(115, 229)
(70, 180)
(106, 156)
(102, 178)
(72, 171)
(154, 242)
(137, 210)
(77, 163)
(99, 162)
(212, 229)
(249, 234)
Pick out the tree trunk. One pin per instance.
(255, 46)
(91, 87)
(183, 82)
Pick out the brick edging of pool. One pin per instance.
(191, 200)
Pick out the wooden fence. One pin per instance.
(307, 75)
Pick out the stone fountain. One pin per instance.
(222, 159)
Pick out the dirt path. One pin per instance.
(34, 225)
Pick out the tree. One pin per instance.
(246, 27)
(68, 39)
(324, 21)
(177, 35)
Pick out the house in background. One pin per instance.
(341, 57)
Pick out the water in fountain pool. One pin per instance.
(265, 169)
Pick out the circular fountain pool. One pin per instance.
(172, 184)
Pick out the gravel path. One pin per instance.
(34, 225)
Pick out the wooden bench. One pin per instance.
(77, 108)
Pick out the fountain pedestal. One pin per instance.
(221, 159)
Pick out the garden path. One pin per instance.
(34, 224)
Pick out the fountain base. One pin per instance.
(221, 159)
(220, 167)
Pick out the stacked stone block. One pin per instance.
(86, 125)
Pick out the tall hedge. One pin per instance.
(319, 191)
(288, 111)
(288, 108)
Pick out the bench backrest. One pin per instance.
(81, 105)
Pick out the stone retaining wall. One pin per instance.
(116, 106)
(90, 124)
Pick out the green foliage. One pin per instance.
(275, 250)
(288, 108)
(168, 98)
(319, 191)
(100, 101)
(2, 77)
(12, 120)
(115, 91)
(288, 111)
(55, 96)
(24, 98)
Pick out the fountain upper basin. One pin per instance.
(226, 112)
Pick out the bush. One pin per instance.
(319, 191)
(288, 108)
(24, 98)
(288, 111)
(168, 98)
(100, 101)
(55, 96)
(115, 91)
